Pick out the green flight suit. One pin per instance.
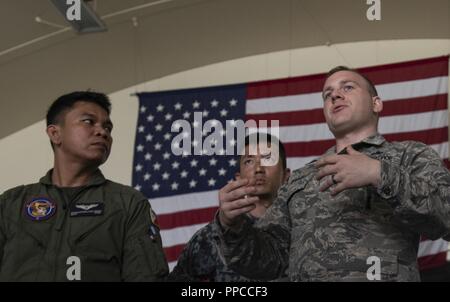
(108, 227)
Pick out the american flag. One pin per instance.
(183, 189)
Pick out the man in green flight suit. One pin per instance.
(75, 225)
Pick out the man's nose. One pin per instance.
(101, 131)
(336, 95)
(259, 168)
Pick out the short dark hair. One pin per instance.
(65, 102)
(372, 90)
(262, 137)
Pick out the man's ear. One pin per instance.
(377, 104)
(237, 175)
(54, 134)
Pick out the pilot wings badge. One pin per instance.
(87, 209)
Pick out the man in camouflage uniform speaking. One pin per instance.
(74, 225)
(355, 214)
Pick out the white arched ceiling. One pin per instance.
(179, 35)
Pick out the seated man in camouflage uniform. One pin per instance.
(75, 225)
(355, 214)
(200, 260)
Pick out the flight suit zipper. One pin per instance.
(61, 225)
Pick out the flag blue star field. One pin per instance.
(183, 189)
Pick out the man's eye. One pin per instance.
(348, 88)
(248, 161)
(88, 121)
(265, 161)
(268, 161)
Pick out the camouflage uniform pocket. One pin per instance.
(389, 265)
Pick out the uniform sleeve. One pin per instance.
(260, 251)
(198, 260)
(417, 186)
(143, 256)
(180, 272)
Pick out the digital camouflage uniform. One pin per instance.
(323, 238)
(108, 226)
(200, 259)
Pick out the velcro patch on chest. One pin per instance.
(40, 208)
(87, 209)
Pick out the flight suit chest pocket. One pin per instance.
(97, 241)
(99, 265)
(100, 232)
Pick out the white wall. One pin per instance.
(26, 155)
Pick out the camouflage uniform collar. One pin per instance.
(374, 140)
(96, 179)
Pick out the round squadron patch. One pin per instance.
(40, 208)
